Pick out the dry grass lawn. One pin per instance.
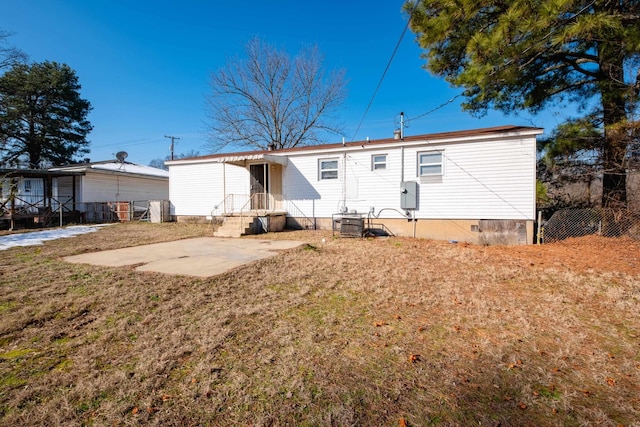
(348, 332)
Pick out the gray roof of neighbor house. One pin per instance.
(115, 166)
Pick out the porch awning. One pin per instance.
(241, 159)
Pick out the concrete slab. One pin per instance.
(201, 257)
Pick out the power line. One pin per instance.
(375, 92)
(444, 104)
(126, 144)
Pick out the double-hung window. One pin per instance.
(430, 163)
(328, 169)
(378, 162)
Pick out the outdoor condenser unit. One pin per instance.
(351, 225)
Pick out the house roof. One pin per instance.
(35, 173)
(277, 156)
(115, 166)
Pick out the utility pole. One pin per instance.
(173, 138)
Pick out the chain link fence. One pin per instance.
(567, 223)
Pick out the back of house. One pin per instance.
(476, 186)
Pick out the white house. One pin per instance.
(98, 191)
(113, 186)
(112, 181)
(475, 185)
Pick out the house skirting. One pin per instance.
(482, 232)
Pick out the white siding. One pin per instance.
(194, 189)
(106, 187)
(481, 180)
(378, 189)
(302, 186)
(357, 188)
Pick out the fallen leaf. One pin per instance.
(165, 397)
(134, 410)
(402, 423)
(522, 405)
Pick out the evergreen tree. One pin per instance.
(514, 55)
(43, 119)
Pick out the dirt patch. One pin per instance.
(583, 254)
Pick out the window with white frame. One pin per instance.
(430, 163)
(328, 169)
(378, 162)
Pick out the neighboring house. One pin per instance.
(26, 194)
(98, 191)
(475, 186)
(113, 181)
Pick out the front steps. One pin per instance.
(235, 226)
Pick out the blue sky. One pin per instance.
(145, 65)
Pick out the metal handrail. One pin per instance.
(265, 199)
(260, 204)
(299, 214)
(246, 203)
(241, 204)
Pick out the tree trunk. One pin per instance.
(33, 148)
(612, 90)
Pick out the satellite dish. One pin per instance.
(121, 156)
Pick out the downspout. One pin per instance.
(344, 180)
(401, 164)
(224, 187)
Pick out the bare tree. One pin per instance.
(269, 101)
(9, 55)
(158, 162)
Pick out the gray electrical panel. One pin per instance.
(409, 195)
